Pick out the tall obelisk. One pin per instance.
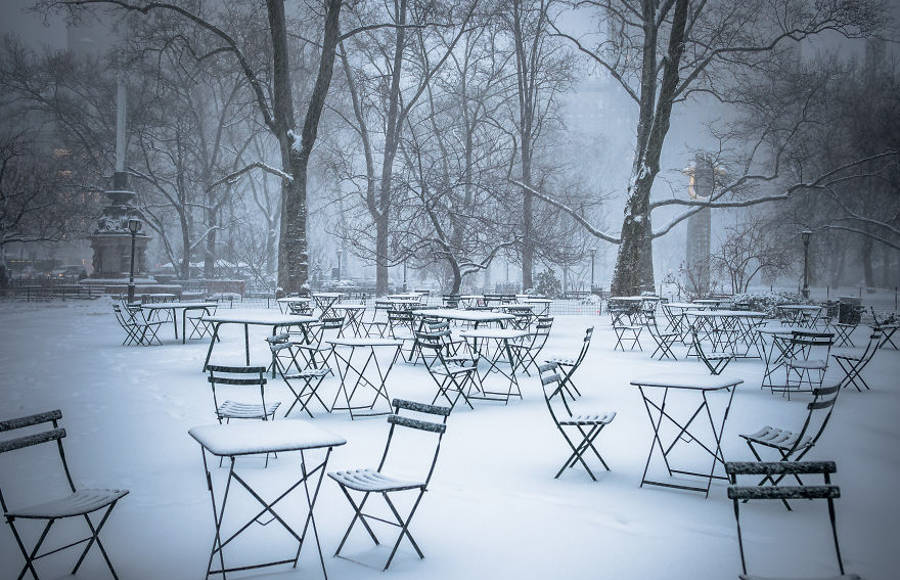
(111, 240)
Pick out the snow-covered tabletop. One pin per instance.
(697, 381)
(261, 318)
(349, 307)
(363, 341)
(798, 307)
(247, 438)
(467, 315)
(685, 305)
(328, 295)
(294, 300)
(497, 333)
(731, 313)
(536, 300)
(171, 305)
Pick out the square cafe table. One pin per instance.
(325, 300)
(184, 307)
(353, 316)
(252, 318)
(258, 437)
(502, 337)
(685, 384)
(343, 351)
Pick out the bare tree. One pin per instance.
(662, 53)
(220, 30)
(747, 250)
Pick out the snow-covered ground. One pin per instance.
(493, 509)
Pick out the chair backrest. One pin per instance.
(125, 321)
(55, 434)
(401, 319)
(240, 376)
(738, 494)
(554, 394)
(588, 333)
(873, 344)
(819, 413)
(451, 300)
(809, 344)
(397, 420)
(301, 308)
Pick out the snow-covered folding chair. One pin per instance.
(714, 361)
(401, 326)
(314, 347)
(454, 376)
(143, 331)
(369, 481)
(853, 365)
(807, 360)
(568, 366)
(888, 325)
(200, 328)
(77, 503)
(377, 326)
(740, 493)
(126, 324)
(628, 332)
(582, 429)
(244, 378)
(663, 340)
(794, 445)
(529, 350)
(289, 364)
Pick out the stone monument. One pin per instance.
(702, 182)
(111, 240)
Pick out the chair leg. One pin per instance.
(404, 527)
(95, 537)
(29, 557)
(357, 515)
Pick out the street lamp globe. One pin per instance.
(134, 226)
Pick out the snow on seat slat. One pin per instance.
(561, 360)
(451, 369)
(718, 355)
(807, 364)
(235, 410)
(307, 373)
(371, 480)
(841, 577)
(81, 502)
(774, 437)
(602, 419)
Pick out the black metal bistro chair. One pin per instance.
(76, 503)
(579, 431)
(377, 481)
(567, 366)
(530, 349)
(794, 445)
(663, 340)
(714, 361)
(313, 343)
(455, 377)
(853, 365)
(829, 492)
(139, 330)
(302, 379)
(402, 327)
(807, 360)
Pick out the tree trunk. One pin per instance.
(293, 266)
(209, 258)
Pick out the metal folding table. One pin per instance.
(262, 437)
(260, 318)
(184, 307)
(324, 301)
(343, 351)
(501, 337)
(661, 408)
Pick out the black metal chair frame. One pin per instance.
(403, 320)
(663, 340)
(588, 427)
(568, 366)
(801, 346)
(367, 481)
(794, 446)
(714, 361)
(449, 374)
(75, 505)
(285, 355)
(315, 352)
(530, 351)
(229, 410)
(854, 365)
(635, 336)
(140, 330)
(888, 326)
(740, 494)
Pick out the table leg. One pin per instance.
(247, 344)
(212, 341)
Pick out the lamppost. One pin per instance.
(806, 234)
(593, 255)
(134, 226)
(404, 275)
(340, 254)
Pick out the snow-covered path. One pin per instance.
(493, 509)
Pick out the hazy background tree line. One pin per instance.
(444, 136)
